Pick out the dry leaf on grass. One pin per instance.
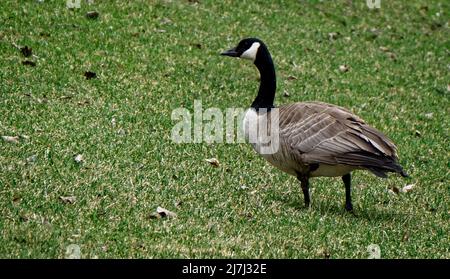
(16, 199)
(344, 68)
(429, 115)
(92, 14)
(408, 188)
(291, 78)
(333, 36)
(78, 159)
(178, 203)
(69, 199)
(418, 133)
(32, 159)
(164, 212)
(26, 51)
(90, 75)
(213, 161)
(73, 251)
(11, 139)
(166, 21)
(394, 190)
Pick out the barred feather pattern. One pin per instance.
(315, 133)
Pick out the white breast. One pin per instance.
(279, 157)
(250, 118)
(261, 129)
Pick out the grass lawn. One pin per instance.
(151, 57)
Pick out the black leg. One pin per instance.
(304, 183)
(348, 197)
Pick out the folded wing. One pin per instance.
(323, 133)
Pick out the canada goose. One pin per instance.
(316, 139)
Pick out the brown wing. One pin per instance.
(324, 133)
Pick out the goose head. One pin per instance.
(255, 50)
(249, 48)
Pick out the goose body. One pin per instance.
(315, 139)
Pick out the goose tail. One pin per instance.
(382, 170)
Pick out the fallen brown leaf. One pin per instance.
(26, 51)
(11, 139)
(16, 199)
(344, 68)
(178, 203)
(32, 159)
(408, 188)
(92, 14)
(90, 75)
(69, 199)
(395, 190)
(84, 102)
(213, 161)
(323, 253)
(405, 237)
(429, 115)
(166, 21)
(333, 36)
(291, 78)
(164, 212)
(78, 158)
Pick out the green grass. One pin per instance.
(154, 56)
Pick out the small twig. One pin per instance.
(16, 45)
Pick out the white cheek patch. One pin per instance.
(251, 52)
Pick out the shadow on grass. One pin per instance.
(327, 207)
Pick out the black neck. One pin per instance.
(268, 83)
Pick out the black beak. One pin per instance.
(231, 52)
